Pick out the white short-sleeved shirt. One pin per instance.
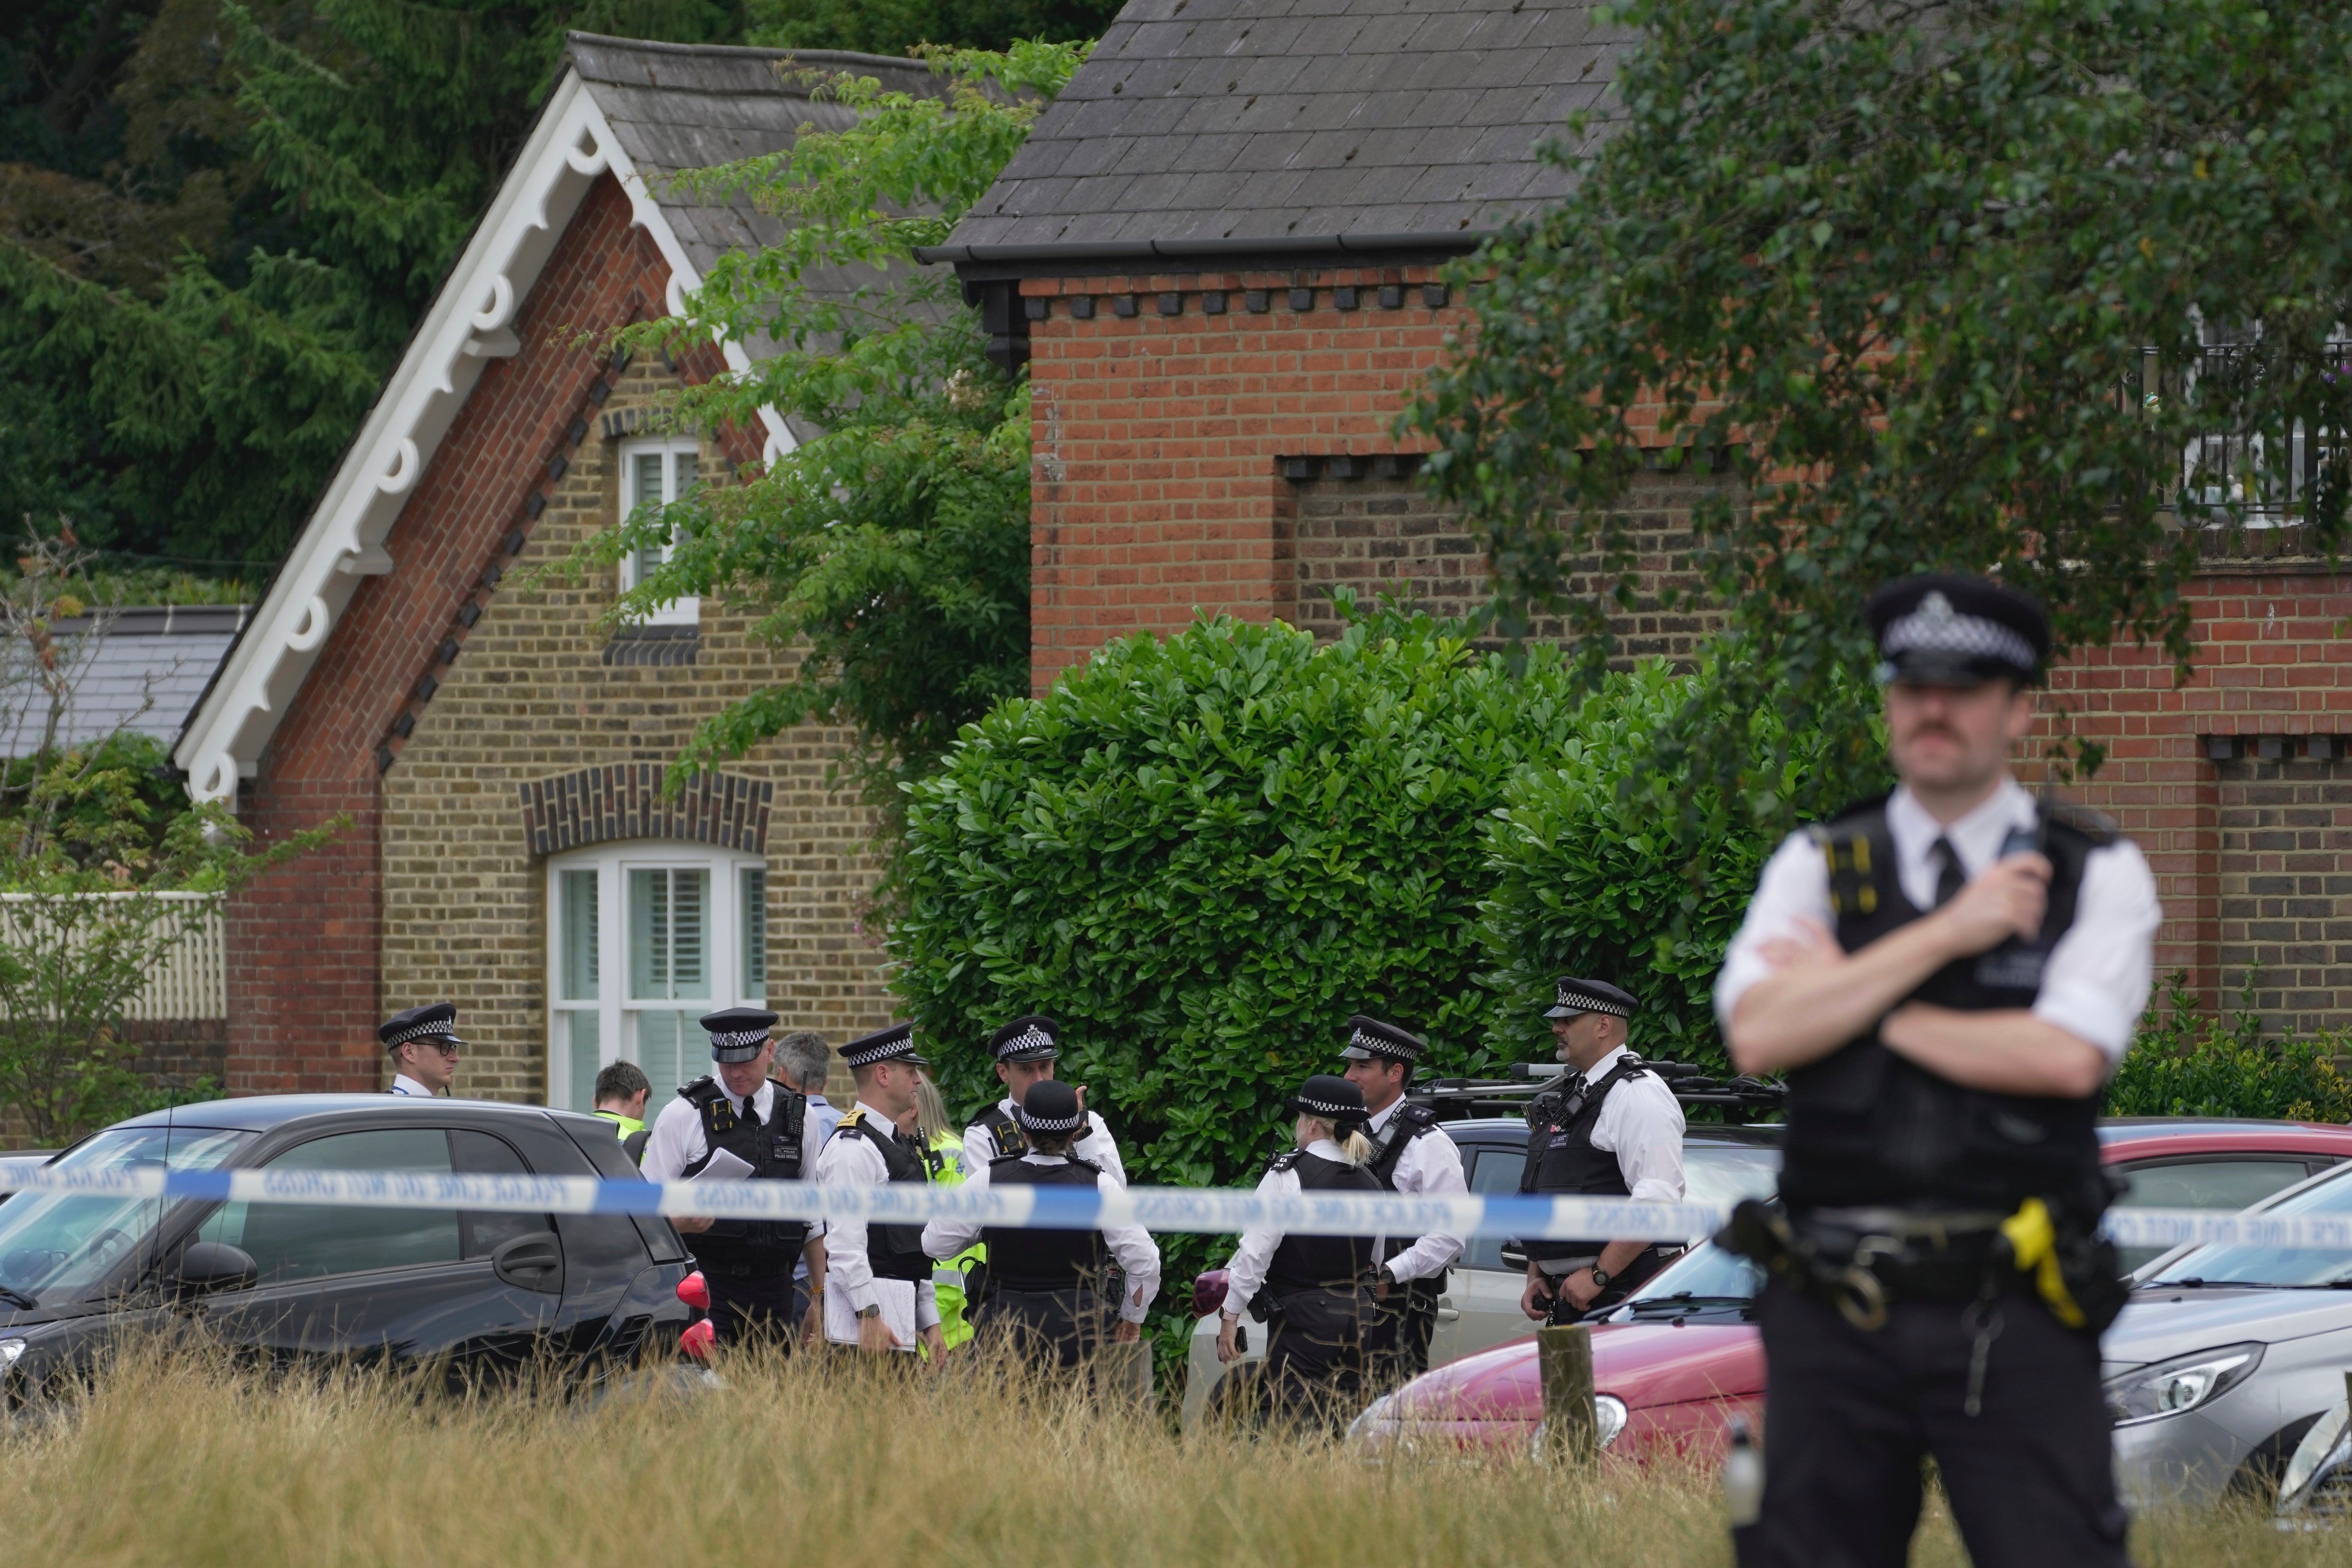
(1097, 1148)
(1429, 1163)
(850, 1285)
(2097, 981)
(1137, 1254)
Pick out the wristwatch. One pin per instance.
(873, 1312)
(1601, 1277)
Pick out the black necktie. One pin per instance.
(1950, 879)
(750, 1117)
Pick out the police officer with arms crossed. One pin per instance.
(1316, 1302)
(746, 1263)
(1608, 1128)
(1039, 1289)
(1947, 977)
(1025, 1050)
(877, 1277)
(423, 1044)
(1410, 1154)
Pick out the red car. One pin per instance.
(1671, 1365)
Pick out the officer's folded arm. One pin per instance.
(2011, 1051)
(1818, 996)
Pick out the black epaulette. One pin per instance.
(1284, 1161)
(1419, 1116)
(2098, 826)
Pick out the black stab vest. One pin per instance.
(893, 1251)
(1561, 1157)
(1320, 1262)
(1411, 1121)
(1042, 1260)
(748, 1249)
(1868, 1128)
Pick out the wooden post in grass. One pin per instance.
(1564, 1353)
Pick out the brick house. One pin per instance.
(1216, 254)
(498, 751)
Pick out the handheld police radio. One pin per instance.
(2016, 965)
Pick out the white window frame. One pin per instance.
(684, 612)
(615, 1013)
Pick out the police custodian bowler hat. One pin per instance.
(1589, 996)
(1368, 1038)
(1332, 1097)
(433, 1021)
(1049, 1107)
(1947, 630)
(738, 1033)
(1032, 1037)
(895, 1044)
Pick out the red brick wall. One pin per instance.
(304, 943)
(1156, 485)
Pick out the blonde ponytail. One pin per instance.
(1355, 1147)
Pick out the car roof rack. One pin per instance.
(1459, 1098)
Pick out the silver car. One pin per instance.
(1480, 1308)
(2227, 1356)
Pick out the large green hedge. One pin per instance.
(2189, 1062)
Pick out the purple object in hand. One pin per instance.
(1208, 1292)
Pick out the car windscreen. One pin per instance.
(1704, 1274)
(58, 1245)
(2308, 1267)
(1725, 1172)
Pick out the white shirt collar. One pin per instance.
(1976, 837)
(762, 1097)
(875, 1119)
(1600, 1069)
(403, 1084)
(1324, 1149)
(1381, 1118)
(1035, 1158)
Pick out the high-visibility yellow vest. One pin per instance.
(945, 1159)
(627, 1124)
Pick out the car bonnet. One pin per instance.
(2164, 1321)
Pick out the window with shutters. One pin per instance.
(653, 474)
(644, 938)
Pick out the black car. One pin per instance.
(482, 1292)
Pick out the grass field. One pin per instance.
(178, 1458)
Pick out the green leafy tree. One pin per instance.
(2021, 285)
(890, 553)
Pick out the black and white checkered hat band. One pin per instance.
(1381, 1046)
(1925, 630)
(1032, 1039)
(1069, 1123)
(1328, 1108)
(736, 1041)
(1583, 1004)
(441, 1031)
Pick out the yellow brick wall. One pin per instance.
(465, 899)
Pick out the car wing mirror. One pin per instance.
(1514, 1257)
(209, 1268)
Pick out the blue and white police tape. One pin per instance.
(1201, 1210)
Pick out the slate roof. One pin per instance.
(690, 106)
(1226, 126)
(146, 674)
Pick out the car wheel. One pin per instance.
(2257, 1476)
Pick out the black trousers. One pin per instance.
(742, 1310)
(1046, 1328)
(1396, 1346)
(1315, 1360)
(1849, 1416)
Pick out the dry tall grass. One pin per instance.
(180, 1459)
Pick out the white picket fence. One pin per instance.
(192, 981)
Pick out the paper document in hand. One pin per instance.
(723, 1167)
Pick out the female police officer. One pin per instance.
(1317, 1292)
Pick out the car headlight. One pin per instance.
(9, 1350)
(1374, 1414)
(1609, 1416)
(2184, 1383)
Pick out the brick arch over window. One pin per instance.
(625, 800)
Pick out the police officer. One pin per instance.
(621, 1092)
(424, 1045)
(1025, 1050)
(746, 1263)
(1410, 1154)
(1948, 975)
(1313, 1291)
(1608, 1128)
(1042, 1291)
(877, 1277)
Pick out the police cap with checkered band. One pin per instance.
(895, 1044)
(1369, 1039)
(1576, 996)
(1050, 1107)
(1032, 1037)
(1332, 1097)
(738, 1033)
(433, 1021)
(1943, 629)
